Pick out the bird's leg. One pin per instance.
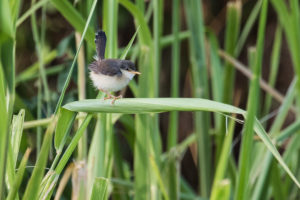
(109, 96)
(115, 98)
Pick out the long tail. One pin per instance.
(100, 41)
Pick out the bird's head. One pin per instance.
(129, 66)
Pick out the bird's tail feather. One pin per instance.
(100, 41)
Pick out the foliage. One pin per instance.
(119, 151)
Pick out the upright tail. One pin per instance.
(100, 41)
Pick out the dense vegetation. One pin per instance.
(60, 140)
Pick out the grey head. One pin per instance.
(128, 65)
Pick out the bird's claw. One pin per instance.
(115, 98)
(109, 97)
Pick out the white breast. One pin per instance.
(111, 83)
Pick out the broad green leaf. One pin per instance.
(156, 105)
(150, 105)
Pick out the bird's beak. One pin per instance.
(135, 72)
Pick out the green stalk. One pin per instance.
(217, 79)
(232, 31)
(247, 140)
(172, 134)
(200, 81)
(233, 18)
(39, 116)
(110, 25)
(29, 12)
(247, 28)
(157, 26)
(68, 152)
(147, 140)
(39, 43)
(174, 166)
(42, 60)
(290, 24)
(82, 146)
(7, 83)
(287, 132)
(33, 69)
(275, 57)
(156, 144)
(275, 178)
(274, 131)
(216, 192)
(34, 183)
(43, 76)
(19, 176)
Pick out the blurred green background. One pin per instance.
(241, 55)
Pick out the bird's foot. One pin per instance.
(109, 96)
(115, 98)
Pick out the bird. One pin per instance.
(110, 75)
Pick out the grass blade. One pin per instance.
(194, 15)
(232, 31)
(65, 6)
(150, 105)
(172, 134)
(100, 189)
(247, 141)
(76, 20)
(17, 130)
(268, 142)
(218, 187)
(67, 154)
(33, 186)
(19, 176)
(129, 45)
(247, 28)
(64, 125)
(275, 58)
